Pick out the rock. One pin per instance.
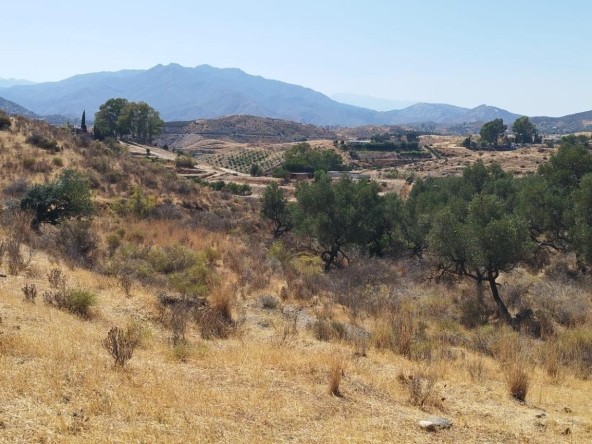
(435, 423)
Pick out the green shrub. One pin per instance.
(184, 162)
(58, 161)
(80, 301)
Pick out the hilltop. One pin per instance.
(241, 129)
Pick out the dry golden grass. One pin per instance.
(272, 380)
(59, 383)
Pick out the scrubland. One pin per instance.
(232, 337)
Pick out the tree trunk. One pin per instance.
(503, 310)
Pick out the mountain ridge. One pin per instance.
(204, 92)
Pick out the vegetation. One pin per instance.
(120, 118)
(492, 131)
(301, 158)
(67, 197)
(524, 130)
(222, 313)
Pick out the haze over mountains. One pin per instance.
(7, 83)
(183, 94)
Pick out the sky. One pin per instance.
(530, 57)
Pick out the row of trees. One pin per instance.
(523, 129)
(121, 118)
(301, 158)
(478, 226)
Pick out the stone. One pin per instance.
(435, 423)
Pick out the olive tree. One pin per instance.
(480, 246)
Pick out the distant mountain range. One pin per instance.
(181, 93)
(369, 102)
(205, 92)
(7, 83)
(14, 109)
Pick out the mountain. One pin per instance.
(7, 83)
(572, 123)
(484, 113)
(371, 102)
(14, 108)
(205, 92)
(426, 112)
(180, 93)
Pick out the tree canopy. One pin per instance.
(120, 118)
(66, 197)
(492, 131)
(524, 130)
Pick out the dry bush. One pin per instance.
(121, 345)
(16, 262)
(327, 330)
(552, 358)
(337, 371)
(518, 381)
(30, 292)
(17, 188)
(395, 331)
(56, 278)
(476, 369)
(576, 351)
(285, 332)
(179, 318)
(125, 282)
(216, 320)
(269, 302)
(421, 385)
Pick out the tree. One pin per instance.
(524, 130)
(107, 118)
(120, 118)
(256, 170)
(491, 131)
(332, 214)
(487, 242)
(83, 122)
(67, 197)
(274, 206)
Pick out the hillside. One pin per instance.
(239, 337)
(572, 123)
(12, 108)
(7, 83)
(241, 129)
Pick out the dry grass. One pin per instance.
(226, 369)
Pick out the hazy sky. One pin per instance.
(530, 57)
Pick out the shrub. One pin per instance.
(30, 292)
(121, 345)
(67, 197)
(78, 242)
(518, 381)
(58, 161)
(42, 142)
(184, 162)
(56, 278)
(80, 301)
(337, 371)
(5, 122)
(76, 301)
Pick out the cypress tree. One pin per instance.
(83, 123)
